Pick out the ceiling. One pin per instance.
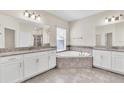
(71, 15)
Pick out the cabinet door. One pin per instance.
(52, 59)
(11, 71)
(118, 62)
(102, 59)
(96, 60)
(30, 67)
(106, 60)
(42, 63)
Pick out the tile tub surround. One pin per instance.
(77, 76)
(74, 62)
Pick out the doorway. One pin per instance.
(109, 40)
(9, 38)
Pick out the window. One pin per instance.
(61, 39)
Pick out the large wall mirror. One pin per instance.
(24, 36)
(110, 35)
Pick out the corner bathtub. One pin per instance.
(74, 59)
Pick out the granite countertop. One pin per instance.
(25, 52)
(109, 49)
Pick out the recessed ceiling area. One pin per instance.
(71, 15)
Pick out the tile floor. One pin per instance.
(77, 76)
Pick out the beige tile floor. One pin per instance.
(77, 76)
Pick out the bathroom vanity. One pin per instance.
(19, 66)
(109, 59)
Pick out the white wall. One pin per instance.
(82, 33)
(86, 28)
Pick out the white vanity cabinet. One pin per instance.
(21, 67)
(109, 60)
(102, 59)
(52, 59)
(11, 69)
(118, 62)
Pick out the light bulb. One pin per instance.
(26, 14)
(33, 16)
(106, 19)
(120, 16)
(38, 18)
(113, 19)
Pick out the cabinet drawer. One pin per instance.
(11, 58)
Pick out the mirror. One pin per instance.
(110, 35)
(22, 35)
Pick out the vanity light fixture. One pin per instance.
(106, 19)
(120, 16)
(113, 19)
(32, 15)
(109, 19)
